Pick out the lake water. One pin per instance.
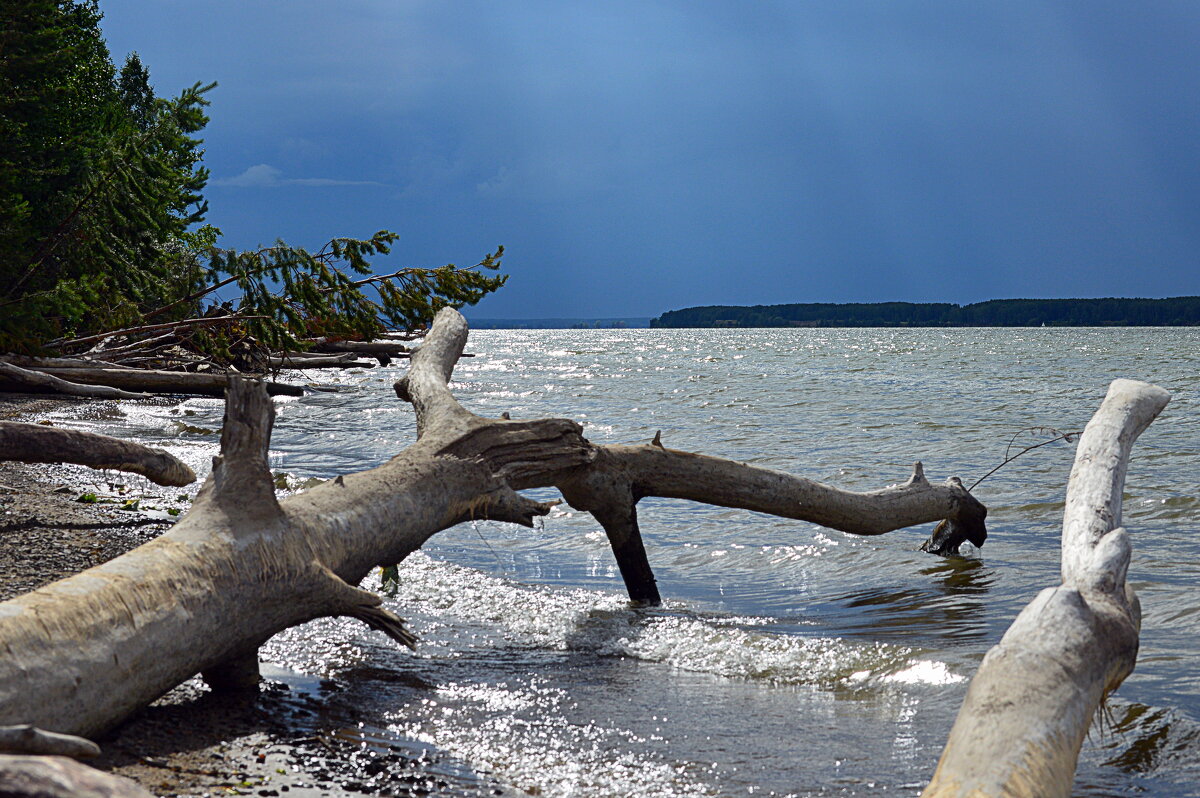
(788, 659)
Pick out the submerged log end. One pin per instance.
(389, 623)
(967, 525)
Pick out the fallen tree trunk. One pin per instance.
(36, 443)
(45, 363)
(1034, 697)
(21, 379)
(300, 360)
(169, 382)
(362, 347)
(240, 566)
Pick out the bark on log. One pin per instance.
(85, 652)
(1031, 702)
(15, 378)
(36, 443)
(169, 382)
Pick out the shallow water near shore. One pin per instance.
(789, 659)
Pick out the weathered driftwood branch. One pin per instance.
(1030, 705)
(22, 379)
(240, 566)
(170, 382)
(36, 443)
(622, 475)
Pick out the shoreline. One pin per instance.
(297, 735)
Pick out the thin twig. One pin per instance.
(1059, 436)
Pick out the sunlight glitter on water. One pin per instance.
(604, 624)
(833, 665)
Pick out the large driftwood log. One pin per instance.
(146, 380)
(304, 360)
(85, 652)
(22, 379)
(50, 363)
(387, 348)
(1030, 704)
(36, 443)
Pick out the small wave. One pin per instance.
(605, 624)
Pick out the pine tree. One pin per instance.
(101, 202)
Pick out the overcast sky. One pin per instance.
(637, 157)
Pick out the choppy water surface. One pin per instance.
(789, 659)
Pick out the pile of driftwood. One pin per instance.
(84, 653)
(156, 359)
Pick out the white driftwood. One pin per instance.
(83, 653)
(50, 363)
(149, 381)
(31, 380)
(1030, 704)
(37, 443)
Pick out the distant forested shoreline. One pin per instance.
(1110, 312)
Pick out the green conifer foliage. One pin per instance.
(101, 207)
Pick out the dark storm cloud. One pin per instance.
(635, 157)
